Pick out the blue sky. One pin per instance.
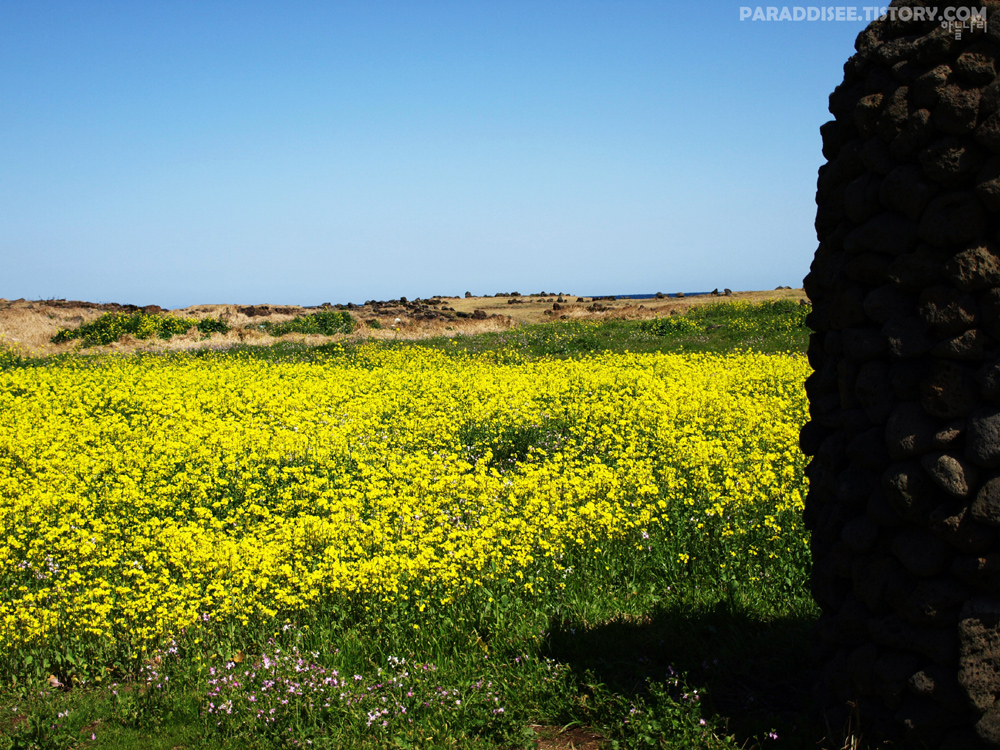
(177, 152)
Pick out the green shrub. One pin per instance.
(167, 326)
(325, 322)
(111, 326)
(208, 326)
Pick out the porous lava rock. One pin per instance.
(904, 401)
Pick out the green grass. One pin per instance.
(637, 649)
(10, 355)
(643, 657)
(768, 327)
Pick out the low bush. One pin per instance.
(208, 326)
(325, 322)
(111, 326)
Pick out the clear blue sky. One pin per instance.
(176, 152)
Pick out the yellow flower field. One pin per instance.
(141, 495)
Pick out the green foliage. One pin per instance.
(674, 324)
(777, 326)
(45, 727)
(325, 322)
(725, 326)
(504, 445)
(770, 315)
(112, 326)
(728, 320)
(669, 714)
(48, 718)
(290, 693)
(208, 326)
(11, 355)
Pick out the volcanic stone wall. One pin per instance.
(904, 496)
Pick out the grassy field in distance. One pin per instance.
(30, 325)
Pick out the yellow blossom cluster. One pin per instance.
(141, 494)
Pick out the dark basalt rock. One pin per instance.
(909, 492)
(904, 495)
(957, 527)
(986, 507)
(977, 66)
(907, 337)
(988, 184)
(968, 346)
(976, 267)
(920, 552)
(988, 379)
(953, 219)
(983, 447)
(884, 303)
(909, 431)
(916, 270)
(950, 161)
(950, 473)
(988, 133)
(888, 233)
(949, 391)
(989, 303)
(979, 644)
(947, 311)
(956, 110)
(905, 190)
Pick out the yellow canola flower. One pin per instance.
(139, 493)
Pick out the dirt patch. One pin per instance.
(558, 738)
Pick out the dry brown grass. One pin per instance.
(532, 310)
(30, 325)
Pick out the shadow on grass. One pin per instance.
(756, 674)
